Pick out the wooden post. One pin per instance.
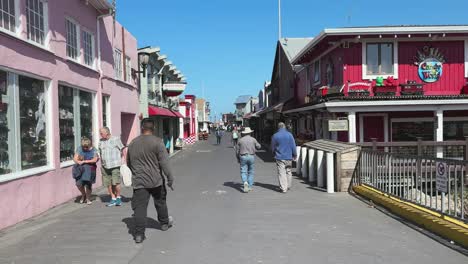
(419, 146)
(374, 144)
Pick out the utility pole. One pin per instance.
(279, 19)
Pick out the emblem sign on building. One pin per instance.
(430, 64)
(337, 125)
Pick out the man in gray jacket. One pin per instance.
(246, 148)
(148, 160)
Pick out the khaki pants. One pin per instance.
(284, 174)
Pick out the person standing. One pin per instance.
(283, 147)
(167, 142)
(84, 171)
(246, 149)
(219, 135)
(110, 151)
(148, 160)
(235, 137)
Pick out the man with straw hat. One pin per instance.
(246, 148)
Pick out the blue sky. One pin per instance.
(228, 46)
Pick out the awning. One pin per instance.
(177, 114)
(159, 111)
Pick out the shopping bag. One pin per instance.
(126, 175)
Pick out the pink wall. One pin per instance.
(32, 195)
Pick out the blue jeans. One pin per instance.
(247, 163)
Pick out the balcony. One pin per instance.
(383, 89)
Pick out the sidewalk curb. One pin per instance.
(437, 225)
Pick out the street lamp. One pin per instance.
(143, 61)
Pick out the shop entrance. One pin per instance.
(373, 126)
(127, 121)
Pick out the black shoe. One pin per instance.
(139, 238)
(165, 227)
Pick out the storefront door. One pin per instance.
(373, 126)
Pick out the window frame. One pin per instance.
(46, 24)
(365, 75)
(16, 16)
(317, 65)
(128, 69)
(77, 40)
(14, 138)
(118, 70)
(92, 48)
(106, 101)
(77, 119)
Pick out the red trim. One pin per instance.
(189, 96)
(177, 114)
(158, 111)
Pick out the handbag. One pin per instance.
(126, 175)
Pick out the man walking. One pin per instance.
(283, 146)
(110, 151)
(246, 149)
(148, 160)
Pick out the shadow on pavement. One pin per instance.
(268, 186)
(150, 223)
(240, 187)
(105, 198)
(235, 185)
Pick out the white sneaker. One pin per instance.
(246, 187)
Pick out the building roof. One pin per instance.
(383, 30)
(292, 46)
(243, 99)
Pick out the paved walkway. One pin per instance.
(216, 223)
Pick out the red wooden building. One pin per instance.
(392, 83)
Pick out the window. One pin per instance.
(105, 111)
(66, 123)
(118, 64)
(128, 69)
(88, 48)
(317, 72)
(36, 20)
(24, 139)
(379, 58)
(72, 40)
(75, 119)
(5, 117)
(455, 130)
(411, 130)
(7, 15)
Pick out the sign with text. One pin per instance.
(337, 125)
(441, 177)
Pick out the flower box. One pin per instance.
(385, 90)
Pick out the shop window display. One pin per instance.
(66, 123)
(32, 123)
(4, 130)
(75, 119)
(86, 114)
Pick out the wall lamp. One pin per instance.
(143, 60)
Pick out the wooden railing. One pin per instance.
(451, 149)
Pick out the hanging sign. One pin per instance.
(337, 125)
(441, 177)
(430, 64)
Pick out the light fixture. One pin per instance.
(143, 61)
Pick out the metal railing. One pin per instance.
(417, 179)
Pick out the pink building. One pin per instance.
(188, 124)
(65, 71)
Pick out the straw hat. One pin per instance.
(247, 130)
